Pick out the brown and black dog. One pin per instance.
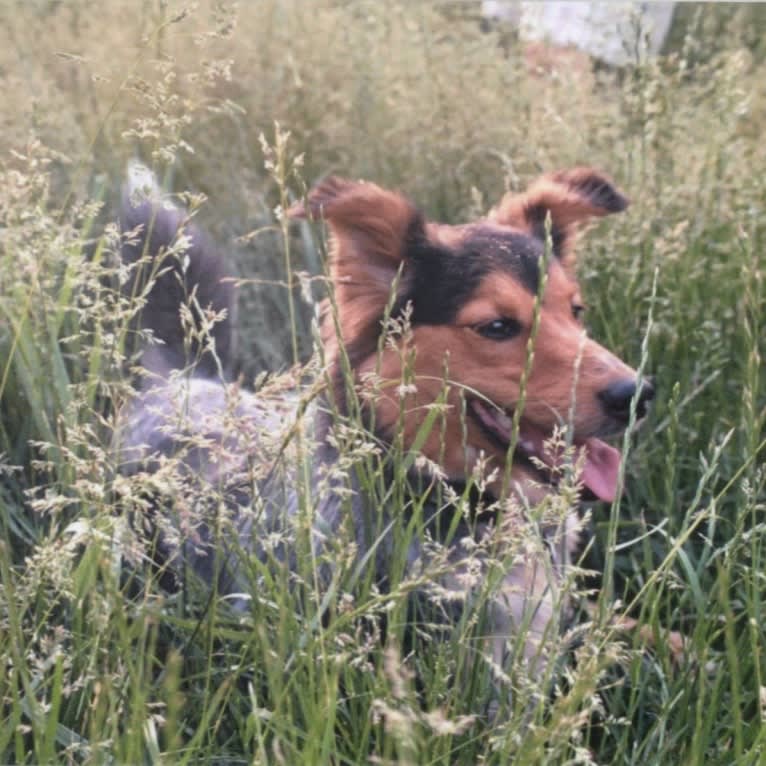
(471, 297)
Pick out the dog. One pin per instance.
(461, 349)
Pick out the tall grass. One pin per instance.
(102, 661)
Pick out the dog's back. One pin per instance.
(221, 463)
(191, 434)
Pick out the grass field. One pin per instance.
(101, 664)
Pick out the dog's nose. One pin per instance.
(617, 396)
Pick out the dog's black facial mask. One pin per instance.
(439, 281)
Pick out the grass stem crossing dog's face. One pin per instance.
(469, 292)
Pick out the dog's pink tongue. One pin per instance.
(602, 468)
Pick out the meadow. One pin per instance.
(239, 108)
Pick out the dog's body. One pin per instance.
(446, 384)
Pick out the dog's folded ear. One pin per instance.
(367, 222)
(370, 229)
(572, 197)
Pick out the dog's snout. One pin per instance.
(616, 398)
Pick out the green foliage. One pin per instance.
(101, 663)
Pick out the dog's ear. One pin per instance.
(571, 196)
(369, 227)
(370, 230)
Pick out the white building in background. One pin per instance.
(607, 31)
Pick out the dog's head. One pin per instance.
(470, 293)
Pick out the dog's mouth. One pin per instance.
(601, 462)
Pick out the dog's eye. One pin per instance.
(500, 329)
(578, 311)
